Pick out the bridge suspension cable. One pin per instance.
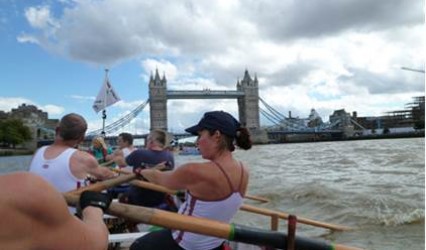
(270, 117)
(281, 121)
(120, 123)
(273, 111)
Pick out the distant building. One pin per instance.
(42, 128)
(398, 121)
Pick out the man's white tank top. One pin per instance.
(56, 171)
(127, 152)
(221, 210)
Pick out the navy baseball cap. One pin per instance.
(216, 120)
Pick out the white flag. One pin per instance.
(106, 97)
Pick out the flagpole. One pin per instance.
(104, 116)
(106, 97)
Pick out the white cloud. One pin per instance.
(325, 55)
(84, 98)
(53, 109)
(24, 38)
(164, 68)
(40, 17)
(9, 103)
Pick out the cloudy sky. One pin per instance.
(326, 55)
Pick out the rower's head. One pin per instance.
(72, 127)
(99, 142)
(227, 125)
(157, 139)
(124, 140)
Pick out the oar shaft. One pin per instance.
(102, 185)
(152, 186)
(107, 163)
(256, 198)
(282, 215)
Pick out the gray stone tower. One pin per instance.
(158, 101)
(248, 105)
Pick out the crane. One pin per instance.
(415, 70)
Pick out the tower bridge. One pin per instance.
(246, 93)
(248, 101)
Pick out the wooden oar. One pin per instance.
(256, 198)
(152, 186)
(282, 215)
(210, 227)
(101, 185)
(107, 163)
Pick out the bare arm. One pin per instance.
(102, 173)
(111, 156)
(118, 158)
(84, 163)
(183, 177)
(42, 220)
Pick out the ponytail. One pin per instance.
(243, 139)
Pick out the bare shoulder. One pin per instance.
(245, 168)
(197, 171)
(85, 158)
(24, 182)
(196, 168)
(32, 194)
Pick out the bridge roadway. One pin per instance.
(304, 132)
(200, 94)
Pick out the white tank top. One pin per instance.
(56, 171)
(220, 210)
(126, 152)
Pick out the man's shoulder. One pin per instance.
(84, 157)
(30, 185)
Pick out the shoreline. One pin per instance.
(4, 152)
(419, 134)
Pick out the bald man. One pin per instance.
(61, 164)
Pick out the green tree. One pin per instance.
(14, 132)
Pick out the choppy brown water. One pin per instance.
(375, 186)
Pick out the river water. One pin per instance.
(375, 186)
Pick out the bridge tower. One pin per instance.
(158, 101)
(248, 105)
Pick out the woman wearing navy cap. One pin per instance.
(215, 189)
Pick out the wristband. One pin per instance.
(94, 199)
